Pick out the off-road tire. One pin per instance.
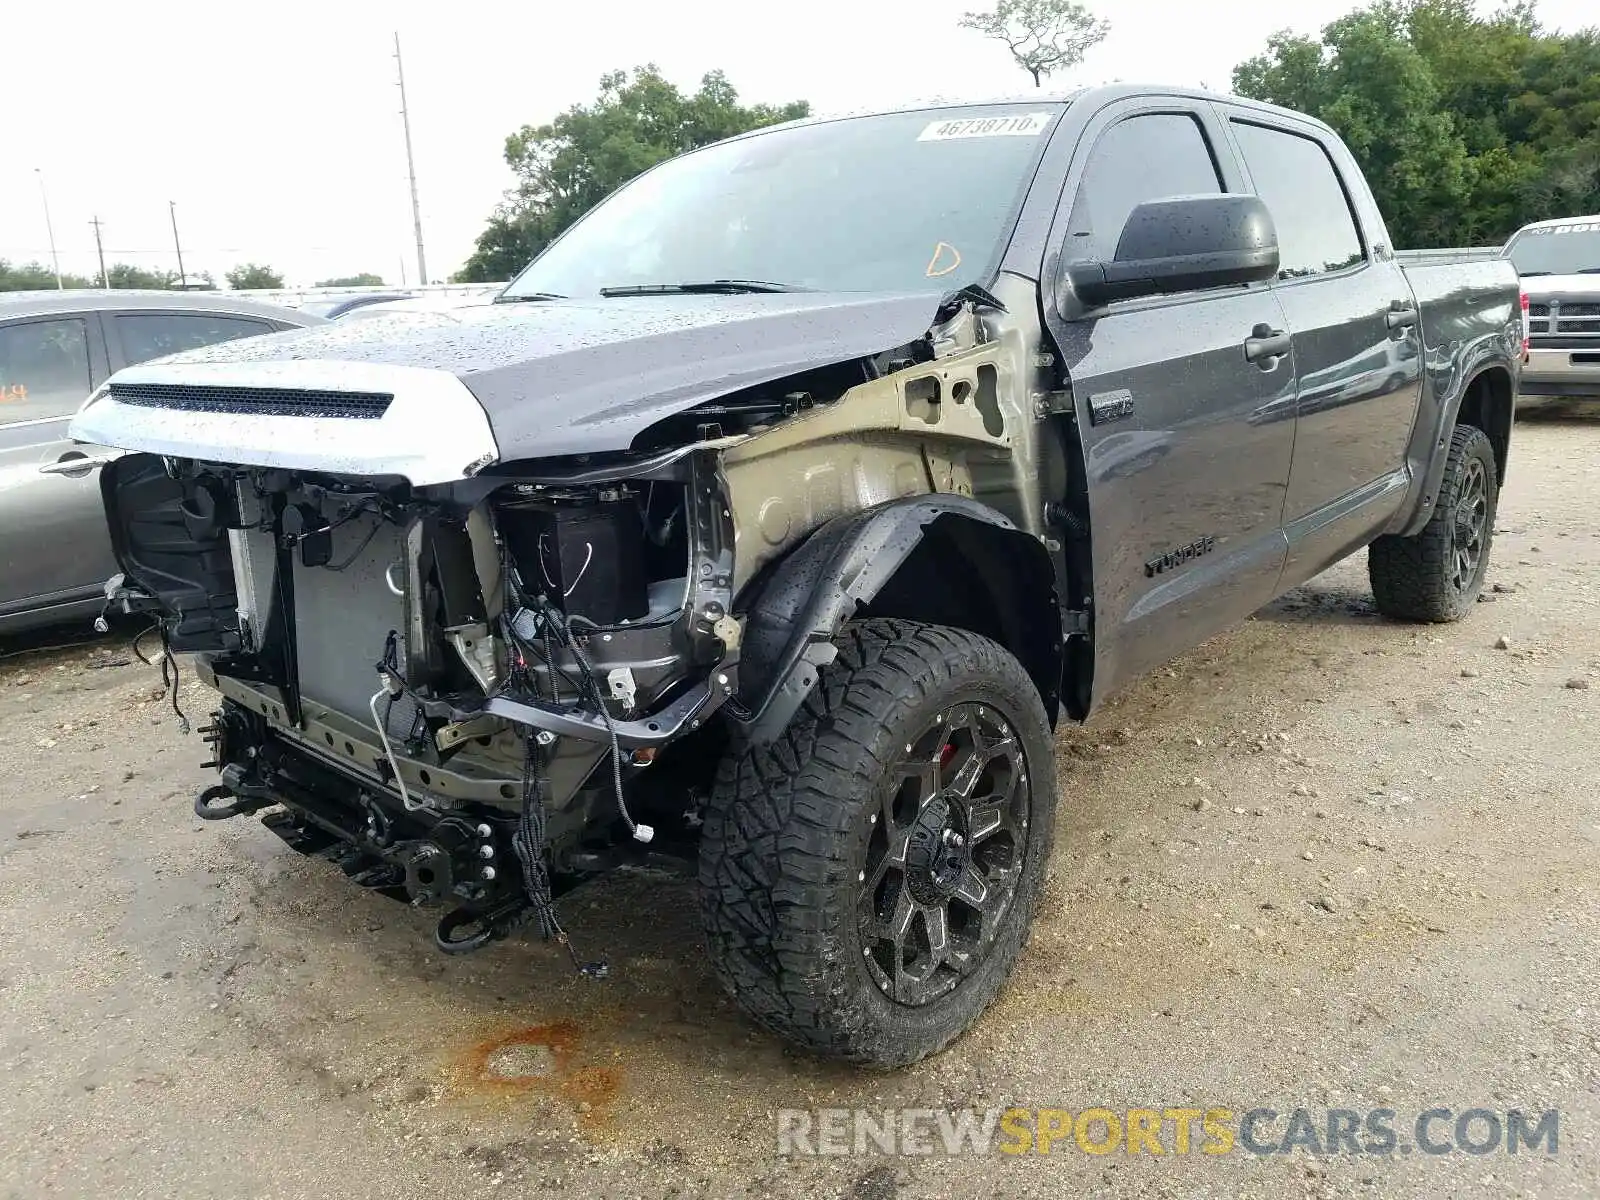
(1420, 578)
(789, 824)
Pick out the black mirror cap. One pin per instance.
(1184, 244)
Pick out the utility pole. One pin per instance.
(411, 164)
(172, 208)
(55, 262)
(105, 280)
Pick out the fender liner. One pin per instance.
(1432, 439)
(793, 611)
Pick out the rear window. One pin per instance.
(44, 369)
(144, 336)
(1572, 249)
(1296, 179)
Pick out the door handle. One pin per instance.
(75, 465)
(1266, 345)
(1401, 315)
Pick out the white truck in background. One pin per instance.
(1559, 264)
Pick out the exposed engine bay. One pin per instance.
(476, 694)
(477, 657)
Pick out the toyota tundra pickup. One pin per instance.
(775, 515)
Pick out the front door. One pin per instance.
(1187, 423)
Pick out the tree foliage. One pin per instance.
(364, 279)
(1467, 127)
(33, 276)
(125, 275)
(253, 275)
(566, 167)
(1044, 36)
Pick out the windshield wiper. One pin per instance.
(709, 287)
(529, 298)
(1526, 274)
(1589, 271)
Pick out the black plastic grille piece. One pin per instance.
(263, 402)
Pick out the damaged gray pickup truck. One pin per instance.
(777, 512)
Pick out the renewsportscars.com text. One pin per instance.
(1176, 1130)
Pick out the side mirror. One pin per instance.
(1183, 244)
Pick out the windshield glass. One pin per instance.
(1557, 249)
(901, 202)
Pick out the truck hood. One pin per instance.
(436, 396)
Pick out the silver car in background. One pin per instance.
(56, 348)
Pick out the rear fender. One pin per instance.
(942, 559)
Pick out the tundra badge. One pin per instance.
(1173, 559)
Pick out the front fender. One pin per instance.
(994, 579)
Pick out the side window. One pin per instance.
(149, 335)
(1296, 178)
(44, 369)
(1142, 158)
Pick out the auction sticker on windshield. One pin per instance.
(1025, 125)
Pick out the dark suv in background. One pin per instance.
(56, 348)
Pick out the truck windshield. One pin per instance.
(1557, 249)
(884, 203)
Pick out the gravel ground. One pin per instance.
(1323, 861)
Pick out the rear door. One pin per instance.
(1356, 340)
(54, 548)
(1187, 441)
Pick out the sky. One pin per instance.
(275, 128)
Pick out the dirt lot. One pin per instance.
(1324, 861)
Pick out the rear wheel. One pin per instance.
(868, 880)
(1436, 575)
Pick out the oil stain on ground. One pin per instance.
(540, 1060)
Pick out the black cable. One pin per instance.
(356, 553)
(529, 844)
(169, 668)
(558, 622)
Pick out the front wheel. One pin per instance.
(1436, 574)
(868, 880)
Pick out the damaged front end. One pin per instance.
(473, 682)
(453, 691)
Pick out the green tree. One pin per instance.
(365, 279)
(253, 275)
(124, 275)
(566, 167)
(28, 277)
(1044, 36)
(1467, 127)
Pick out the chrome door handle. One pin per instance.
(1266, 345)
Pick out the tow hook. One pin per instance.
(209, 806)
(466, 929)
